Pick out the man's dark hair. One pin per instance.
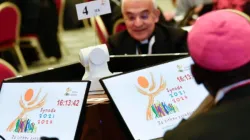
(219, 80)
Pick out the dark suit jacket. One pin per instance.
(30, 11)
(228, 120)
(167, 40)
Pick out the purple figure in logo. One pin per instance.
(159, 110)
(17, 125)
(165, 107)
(21, 125)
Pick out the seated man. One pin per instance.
(183, 6)
(241, 5)
(221, 52)
(144, 35)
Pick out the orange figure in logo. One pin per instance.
(30, 105)
(152, 93)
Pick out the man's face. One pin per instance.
(140, 18)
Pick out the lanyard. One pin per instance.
(221, 93)
(150, 46)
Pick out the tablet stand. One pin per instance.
(95, 61)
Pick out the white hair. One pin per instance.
(153, 1)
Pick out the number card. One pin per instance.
(32, 110)
(93, 8)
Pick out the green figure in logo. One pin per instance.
(31, 127)
(34, 129)
(175, 108)
(155, 112)
(171, 109)
(17, 125)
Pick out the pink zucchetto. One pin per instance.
(220, 40)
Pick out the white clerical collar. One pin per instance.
(221, 93)
(144, 41)
(150, 45)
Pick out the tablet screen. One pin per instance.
(155, 99)
(51, 109)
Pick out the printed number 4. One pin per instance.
(85, 11)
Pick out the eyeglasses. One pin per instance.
(142, 16)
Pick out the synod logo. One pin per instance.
(23, 124)
(150, 90)
(155, 109)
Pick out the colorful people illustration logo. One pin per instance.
(24, 125)
(162, 109)
(153, 92)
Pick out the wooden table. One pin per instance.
(101, 122)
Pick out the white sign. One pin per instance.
(50, 109)
(93, 8)
(154, 100)
(187, 28)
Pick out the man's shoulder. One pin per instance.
(119, 35)
(118, 38)
(220, 122)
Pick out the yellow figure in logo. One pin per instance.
(31, 105)
(152, 93)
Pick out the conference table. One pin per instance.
(101, 122)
